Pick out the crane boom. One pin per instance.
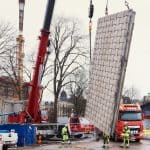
(33, 102)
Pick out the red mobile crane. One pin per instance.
(32, 111)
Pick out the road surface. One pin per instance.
(89, 145)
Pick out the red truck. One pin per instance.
(130, 114)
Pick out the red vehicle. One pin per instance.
(79, 126)
(130, 114)
(32, 112)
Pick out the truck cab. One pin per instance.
(130, 114)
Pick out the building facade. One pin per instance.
(8, 90)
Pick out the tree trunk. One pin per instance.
(55, 109)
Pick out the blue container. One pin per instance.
(26, 133)
(4, 131)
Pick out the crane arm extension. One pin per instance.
(33, 102)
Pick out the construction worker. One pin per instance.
(65, 135)
(105, 140)
(126, 136)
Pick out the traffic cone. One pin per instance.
(39, 140)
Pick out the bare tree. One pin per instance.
(78, 90)
(28, 66)
(7, 38)
(131, 92)
(8, 69)
(69, 54)
(7, 55)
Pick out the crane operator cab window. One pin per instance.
(74, 119)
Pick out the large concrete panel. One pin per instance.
(108, 68)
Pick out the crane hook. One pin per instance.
(91, 10)
(127, 4)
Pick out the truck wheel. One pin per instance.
(138, 140)
(78, 136)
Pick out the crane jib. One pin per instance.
(33, 103)
(48, 15)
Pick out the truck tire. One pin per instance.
(78, 136)
(138, 140)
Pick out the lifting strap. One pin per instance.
(127, 4)
(91, 11)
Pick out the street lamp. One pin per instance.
(21, 14)
(21, 4)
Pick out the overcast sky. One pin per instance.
(138, 70)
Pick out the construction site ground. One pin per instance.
(88, 144)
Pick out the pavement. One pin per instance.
(147, 129)
(88, 144)
(146, 134)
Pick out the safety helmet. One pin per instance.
(125, 125)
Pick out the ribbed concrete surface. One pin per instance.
(108, 67)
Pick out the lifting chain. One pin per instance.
(91, 11)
